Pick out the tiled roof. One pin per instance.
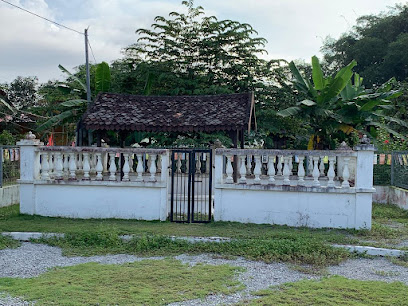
(169, 113)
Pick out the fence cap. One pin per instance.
(365, 147)
(365, 144)
(29, 140)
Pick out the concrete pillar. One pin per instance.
(29, 171)
(364, 184)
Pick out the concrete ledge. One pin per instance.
(146, 184)
(27, 236)
(271, 187)
(9, 195)
(372, 250)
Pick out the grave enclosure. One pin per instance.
(289, 187)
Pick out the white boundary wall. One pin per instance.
(332, 189)
(286, 199)
(9, 195)
(391, 195)
(45, 189)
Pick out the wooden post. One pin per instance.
(122, 159)
(235, 137)
(242, 138)
(98, 139)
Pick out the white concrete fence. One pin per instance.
(296, 188)
(92, 182)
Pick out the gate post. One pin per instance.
(364, 184)
(164, 179)
(30, 170)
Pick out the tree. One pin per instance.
(378, 43)
(195, 54)
(71, 109)
(191, 53)
(338, 105)
(22, 92)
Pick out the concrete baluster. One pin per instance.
(229, 171)
(271, 169)
(316, 172)
(86, 166)
(152, 168)
(99, 167)
(45, 166)
(257, 169)
(346, 173)
(242, 170)
(72, 166)
(126, 167)
(249, 164)
(301, 171)
(330, 173)
(58, 166)
(92, 163)
(139, 168)
(286, 169)
(112, 167)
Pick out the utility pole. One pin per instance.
(88, 81)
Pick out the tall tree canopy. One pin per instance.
(191, 53)
(196, 54)
(378, 43)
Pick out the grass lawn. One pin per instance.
(148, 282)
(334, 290)
(11, 220)
(259, 242)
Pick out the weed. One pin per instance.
(148, 282)
(335, 290)
(386, 273)
(299, 250)
(6, 242)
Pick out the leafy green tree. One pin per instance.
(22, 92)
(197, 54)
(378, 43)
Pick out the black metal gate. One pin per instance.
(191, 183)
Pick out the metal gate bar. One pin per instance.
(191, 183)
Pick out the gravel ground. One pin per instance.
(31, 260)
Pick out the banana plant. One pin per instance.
(72, 110)
(339, 104)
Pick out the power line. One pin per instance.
(92, 51)
(54, 22)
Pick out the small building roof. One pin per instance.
(209, 113)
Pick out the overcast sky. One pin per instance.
(30, 46)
